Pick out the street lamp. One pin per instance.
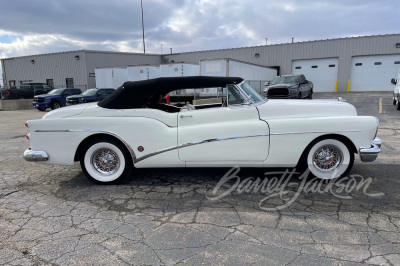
(144, 46)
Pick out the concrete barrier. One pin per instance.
(12, 105)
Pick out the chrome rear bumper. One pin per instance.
(369, 154)
(35, 156)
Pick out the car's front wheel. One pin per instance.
(55, 105)
(328, 158)
(398, 105)
(106, 162)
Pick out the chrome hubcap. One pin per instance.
(105, 161)
(327, 158)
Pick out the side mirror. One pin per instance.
(393, 81)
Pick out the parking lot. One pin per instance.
(54, 215)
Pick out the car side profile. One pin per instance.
(54, 99)
(90, 95)
(134, 128)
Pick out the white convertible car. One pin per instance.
(219, 122)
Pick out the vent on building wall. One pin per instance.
(358, 64)
(397, 62)
(298, 67)
(314, 66)
(398, 45)
(378, 63)
(332, 65)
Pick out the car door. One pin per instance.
(223, 135)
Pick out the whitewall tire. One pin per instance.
(329, 158)
(106, 162)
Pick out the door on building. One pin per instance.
(373, 73)
(69, 82)
(50, 82)
(321, 72)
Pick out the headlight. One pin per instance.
(47, 100)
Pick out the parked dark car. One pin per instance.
(289, 87)
(90, 95)
(54, 99)
(25, 91)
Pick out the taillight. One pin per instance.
(26, 123)
(27, 136)
(8, 93)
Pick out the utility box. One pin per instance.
(143, 72)
(110, 77)
(179, 69)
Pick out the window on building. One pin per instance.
(50, 82)
(12, 83)
(69, 82)
(358, 64)
(378, 63)
(333, 65)
(314, 66)
(298, 67)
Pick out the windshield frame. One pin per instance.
(248, 97)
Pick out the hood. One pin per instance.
(67, 111)
(47, 96)
(276, 109)
(282, 85)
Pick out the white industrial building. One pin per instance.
(346, 64)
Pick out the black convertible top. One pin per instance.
(139, 94)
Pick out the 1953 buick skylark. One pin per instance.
(222, 123)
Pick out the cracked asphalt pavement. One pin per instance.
(52, 215)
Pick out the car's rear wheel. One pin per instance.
(328, 158)
(398, 105)
(106, 161)
(394, 101)
(310, 95)
(41, 109)
(55, 105)
(299, 95)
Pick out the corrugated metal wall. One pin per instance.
(110, 59)
(283, 54)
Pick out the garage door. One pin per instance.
(373, 73)
(322, 72)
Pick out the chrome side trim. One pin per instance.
(311, 132)
(35, 156)
(197, 143)
(133, 155)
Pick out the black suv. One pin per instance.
(25, 91)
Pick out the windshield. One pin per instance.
(56, 91)
(89, 92)
(286, 80)
(251, 93)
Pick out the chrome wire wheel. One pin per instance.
(105, 161)
(327, 158)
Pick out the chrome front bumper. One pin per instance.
(369, 154)
(35, 156)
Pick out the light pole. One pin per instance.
(144, 45)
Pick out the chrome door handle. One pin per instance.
(183, 116)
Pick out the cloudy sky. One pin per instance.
(44, 26)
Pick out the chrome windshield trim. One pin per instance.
(197, 143)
